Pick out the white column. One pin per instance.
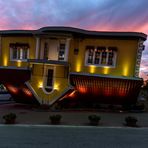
(67, 49)
(37, 47)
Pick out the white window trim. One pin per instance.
(59, 49)
(100, 65)
(66, 50)
(21, 55)
(45, 81)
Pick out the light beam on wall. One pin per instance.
(125, 70)
(92, 69)
(19, 63)
(106, 70)
(40, 84)
(78, 67)
(27, 92)
(56, 86)
(12, 89)
(5, 61)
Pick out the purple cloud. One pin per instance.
(107, 15)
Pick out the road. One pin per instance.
(72, 137)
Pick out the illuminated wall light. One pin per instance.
(72, 94)
(27, 92)
(82, 89)
(78, 67)
(5, 61)
(56, 86)
(125, 71)
(92, 69)
(40, 84)
(106, 70)
(19, 63)
(12, 89)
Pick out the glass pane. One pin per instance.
(104, 56)
(97, 56)
(90, 56)
(110, 58)
(61, 52)
(49, 78)
(25, 53)
(14, 53)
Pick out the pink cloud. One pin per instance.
(100, 15)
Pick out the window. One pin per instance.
(101, 56)
(49, 80)
(24, 54)
(19, 51)
(97, 56)
(45, 50)
(90, 55)
(61, 55)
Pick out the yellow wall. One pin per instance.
(125, 62)
(60, 82)
(5, 50)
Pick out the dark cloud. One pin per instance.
(88, 14)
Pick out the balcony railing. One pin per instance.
(44, 61)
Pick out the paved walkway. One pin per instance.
(28, 115)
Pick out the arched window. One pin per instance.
(48, 80)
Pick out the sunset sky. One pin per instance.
(100, 15)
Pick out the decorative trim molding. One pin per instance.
(33, 92)
(138, 58)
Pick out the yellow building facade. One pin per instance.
(57, 64)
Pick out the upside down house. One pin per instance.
(57, 64)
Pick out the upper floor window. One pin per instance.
(101, 56)
(61, 55)
(46, 50)
(54, 49)
(19, 51)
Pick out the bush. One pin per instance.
(9, 118)
(94, 119)
(55, 119)
(131, 121)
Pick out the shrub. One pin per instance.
(131, 121)
(9, 118)
(55, 119)
(94, 119)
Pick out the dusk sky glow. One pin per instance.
(99, 15)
